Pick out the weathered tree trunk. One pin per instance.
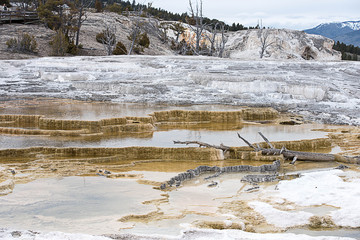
(202, 144)
(193, 173)
(300, 156)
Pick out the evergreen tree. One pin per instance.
(120, 49)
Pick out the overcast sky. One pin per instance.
(292, 14)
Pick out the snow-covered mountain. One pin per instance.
(347, 32)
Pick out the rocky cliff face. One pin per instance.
(281, 44)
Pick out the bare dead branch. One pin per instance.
(249, 144)
(199, 26)
(202, 144)
(266, 140)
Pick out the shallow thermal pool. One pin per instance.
(74, 204)
(93, 204)
(96, 205)
(165, 138)
(70, 109)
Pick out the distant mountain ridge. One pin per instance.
(347, 32)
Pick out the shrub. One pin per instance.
(25, 43)
(120, 49)
(72, 49)
(144, 40)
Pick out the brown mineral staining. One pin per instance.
(246, 114)
(140, 153)
(157, 202)
(149, 217)
(254, 222)
(126, 124)
(220, 225)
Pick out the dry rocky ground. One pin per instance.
(94, 24)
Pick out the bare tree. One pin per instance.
(109, 39)
(212, 38)
(199, 25)
(223, 40)
(263, 34)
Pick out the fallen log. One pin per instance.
(260, 178)
(300, 156)
(192, 173)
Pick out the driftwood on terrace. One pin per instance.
(299, 156)
(202, 144)
(192, 173)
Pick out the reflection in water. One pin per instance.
(70, 109)
(161, 138)
(74, 204)
(351, 233)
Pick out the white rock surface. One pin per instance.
(327, 188)
(325, 91)
(284, 44)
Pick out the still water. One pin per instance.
(70, 109)
(74, 204)
(162, 138)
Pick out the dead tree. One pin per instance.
(224, 39)
(212, 38)
(109, 38)
(264, 41)
(299, 156)
(199, 25)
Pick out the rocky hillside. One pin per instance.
(285, 44)
(282, 44)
